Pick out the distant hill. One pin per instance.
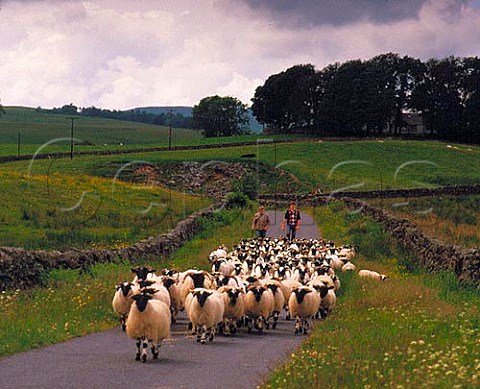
(254, 126)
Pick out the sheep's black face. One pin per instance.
(142, 272)
(145, 283)
(168, 282)
(258, 291)
(202, 297)
(233, 296)
(198, 280)
(142, 301)
(126, 287)
(323, 289)
(273, 288)
(300, 294)
(216, 265)
(251, 279)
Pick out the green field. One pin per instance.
(328, 166)
(61, 211)
(91, 134)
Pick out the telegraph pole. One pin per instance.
(170, 129)
(71, 136)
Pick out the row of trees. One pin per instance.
(365, 98)
(176, 120)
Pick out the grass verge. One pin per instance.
(413, 330)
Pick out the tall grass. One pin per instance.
(61, 211)
(452, 219)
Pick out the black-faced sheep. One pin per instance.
(303, 304)
(205, 311)
(148, 322)
(259, 305)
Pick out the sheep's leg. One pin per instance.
(260, 320)
(275, 319)
(298, 324)
(137, 356)
(212, 334)
(199, 333)
(123, 319)
(155, 348)
(203, 337)
(225, 327)
(174, 313)
(287, 313)
(144, 350)
(305, 326)
(250, 324)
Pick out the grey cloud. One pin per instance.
(336, 12)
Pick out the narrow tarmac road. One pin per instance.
(107, 359)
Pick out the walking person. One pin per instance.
(260, 222)
(292, 221)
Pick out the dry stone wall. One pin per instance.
(21, 268)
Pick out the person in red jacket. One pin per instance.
(291, 220)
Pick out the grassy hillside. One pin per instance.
(326, 165)
(37, 128)
(61, 211)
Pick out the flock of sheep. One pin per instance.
(248, 286)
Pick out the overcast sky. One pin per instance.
(121, 54)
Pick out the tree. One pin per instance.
(284, 102)
(2, 111)
(220, 116)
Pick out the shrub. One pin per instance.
(236, 199)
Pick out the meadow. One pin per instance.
(92, 134)
(59, 211)
(326, 166)
(451, 219)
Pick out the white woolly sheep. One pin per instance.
(372, 274)
(303, 304)
(287, 286)
(259, 305)
(148, 322)
(122, 301)
(157, 290)
(233, 299)
(278, 299)
(205, 311)
(348, 266)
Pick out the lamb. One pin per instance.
(259, 305)
(304, 303)
(205, 311)
(122, 301)
(372, 274)
(233, 299)
(148, 321)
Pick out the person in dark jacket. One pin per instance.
(291, 221)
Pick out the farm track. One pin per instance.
(106, 359)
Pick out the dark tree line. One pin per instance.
(163, 119)
(376, 97)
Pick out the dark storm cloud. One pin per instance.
(337, 12)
